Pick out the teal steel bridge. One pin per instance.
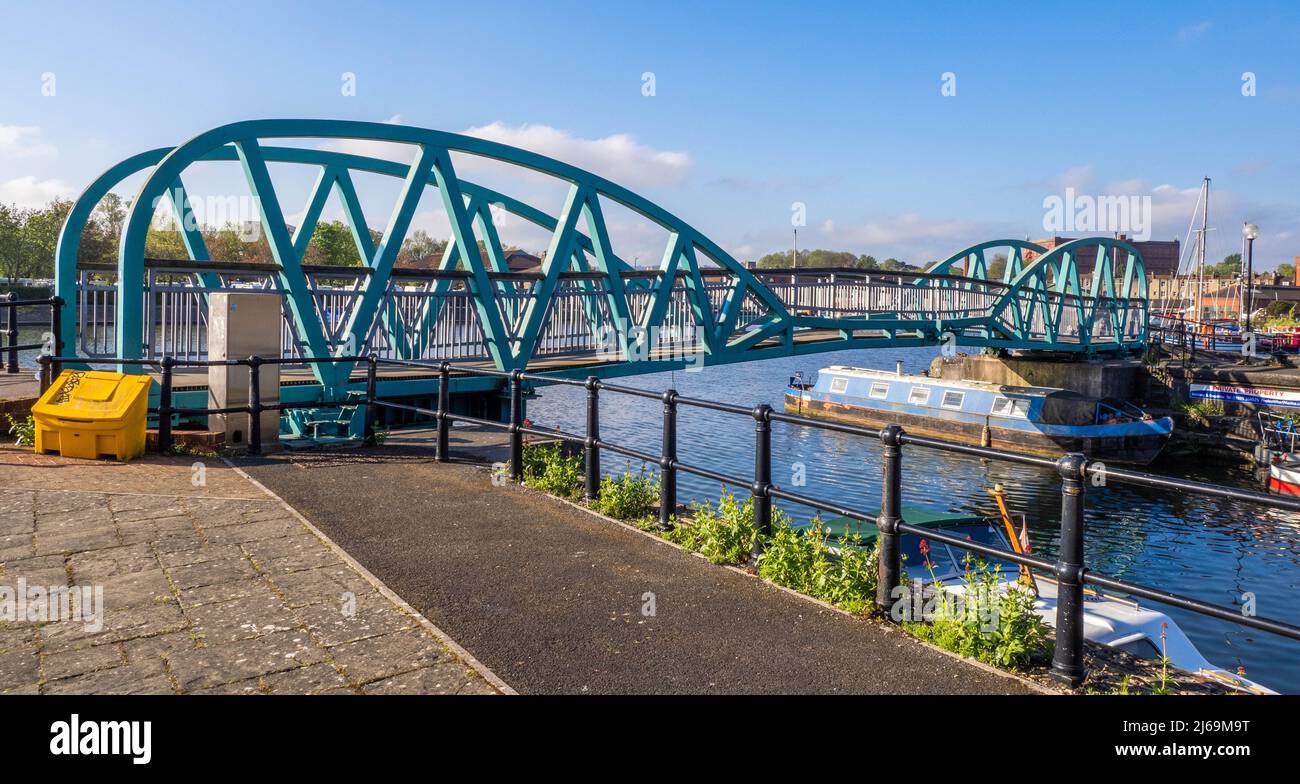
(586, 312)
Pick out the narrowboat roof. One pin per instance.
(1003, 389)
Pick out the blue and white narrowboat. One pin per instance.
(1038, 420)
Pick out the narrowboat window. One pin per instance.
(879, 390)
(838, 385)
(918, 396)
(952, 399)
(1005, 406)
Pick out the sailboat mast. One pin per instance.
(1200, 251)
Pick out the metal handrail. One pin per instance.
(10, 347)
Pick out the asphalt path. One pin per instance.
(556, 600)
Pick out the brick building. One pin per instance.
(1160, 257)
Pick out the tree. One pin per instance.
(420, 250)
(40, 238)
(777, 260)
(821, 258)
(332, 244)
(1286, 271)
(224, 244)
(997, 267)
(11, 241)
(1231, 265)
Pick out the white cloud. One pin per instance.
(618, 157)
(1193, 31)
(1076, 177)
(390, 151)
(31, 192)
(23, 141)
(907, 229)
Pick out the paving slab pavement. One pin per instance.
(182, 575)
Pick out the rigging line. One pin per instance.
(1164, 304)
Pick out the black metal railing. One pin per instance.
(1190, 336)
(1069, 569)
(10, 347)
(166, 410)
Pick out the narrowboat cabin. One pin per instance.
(1038, 420)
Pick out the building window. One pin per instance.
(952, 399)
(879, 390)
(918, 396)
(838, 385)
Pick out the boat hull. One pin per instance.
(1133, 449)
(1284, 478)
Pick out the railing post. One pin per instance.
(1067, 660)
(890, 568)
(255, 405)
(372, 371)
(444, 408)
(165, 406)
(591, 458)
(761, 489)
(668, 462)
(516, 425)
(11, 332)
(56, 331)
(46, 379)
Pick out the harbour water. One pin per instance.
(1211, 549)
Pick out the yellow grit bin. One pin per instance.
(91, 414)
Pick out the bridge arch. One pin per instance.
(739, 317)
(1048, 298)
(974, 260)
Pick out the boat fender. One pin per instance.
(986, 436)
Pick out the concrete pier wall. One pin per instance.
(1117, 378)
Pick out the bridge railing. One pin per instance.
(434, 314)
(1069, 569)
(9, 347)
(1191, 336)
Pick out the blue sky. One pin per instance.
(756, 106)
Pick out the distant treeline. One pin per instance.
(833, 258)
(29, 238)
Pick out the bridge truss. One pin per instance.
(586, 312)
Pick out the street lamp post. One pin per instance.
(1250, 231)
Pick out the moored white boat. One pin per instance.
(1114, 621)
